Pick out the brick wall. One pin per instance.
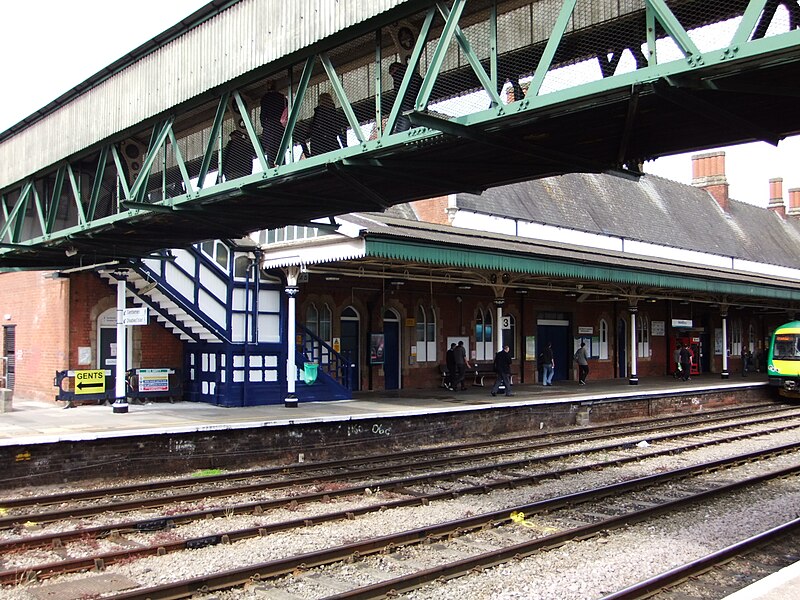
(37, 306)
(53, 318)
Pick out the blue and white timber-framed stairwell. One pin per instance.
(232, 320)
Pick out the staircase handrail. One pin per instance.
(338, 365)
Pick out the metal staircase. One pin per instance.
(232, 323)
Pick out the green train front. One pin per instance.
(783, 367)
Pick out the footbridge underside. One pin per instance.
(493, 93)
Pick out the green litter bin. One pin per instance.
(310, 372)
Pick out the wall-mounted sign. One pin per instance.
(657, 328)
(135, 316)
(585, 330)
(685, 323)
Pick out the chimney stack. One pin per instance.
(794, 202)
(708, 173)
(776, 197)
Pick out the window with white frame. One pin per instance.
(751, 338)
(426, 335)
(603, 339)
(217, 251)
(642, 336)
(736, 337)
(484, 349)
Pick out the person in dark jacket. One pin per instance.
(397, 71)
(450, 358)
(273, 106)
(238, 156)
(686, 362)
(462, 364)
(326, 132)
(502, 366)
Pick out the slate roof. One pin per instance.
(654, 210)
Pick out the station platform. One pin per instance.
(783, 585)
(31, 423)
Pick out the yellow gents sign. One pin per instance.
(90, 382)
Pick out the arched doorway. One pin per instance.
(350, 348)
(107, 341)
(391, 350)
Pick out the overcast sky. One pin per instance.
(49, 46)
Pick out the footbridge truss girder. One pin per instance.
(470, 95)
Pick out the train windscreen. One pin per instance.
(787, 347)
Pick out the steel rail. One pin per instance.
(171, 484)
(99, 561)
(72, 512)
(161, 522)
(230, 578)
(649, 586)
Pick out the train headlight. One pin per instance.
(773, 369)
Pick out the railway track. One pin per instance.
(412, 497)
(723, 572)
(457, 547)
(93, 502)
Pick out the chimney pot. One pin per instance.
(708, 173)
(776, 197)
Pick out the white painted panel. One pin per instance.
(212, 309)
(237, 327)
(256, 376)
(270, 376)
(212, 281)
(239, 300)
(269, 329)
(180, 281)
(269, 301)
(238, 376)
(238, 361)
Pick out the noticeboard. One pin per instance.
(153, 380)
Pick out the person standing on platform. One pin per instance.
(548, 365)
(462, 364)
(686, 362)
(583, 363)
(273, 108)
(676, 358)
(502, 366)
(450, 362)
(744, 360)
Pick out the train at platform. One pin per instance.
(783, 366)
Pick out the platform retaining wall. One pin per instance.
(177, 454)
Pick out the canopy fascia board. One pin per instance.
(536, 265)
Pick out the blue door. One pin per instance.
(556, 333)
(622, 348)
(391, 351)
(350, 346)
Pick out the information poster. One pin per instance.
(376, 349)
